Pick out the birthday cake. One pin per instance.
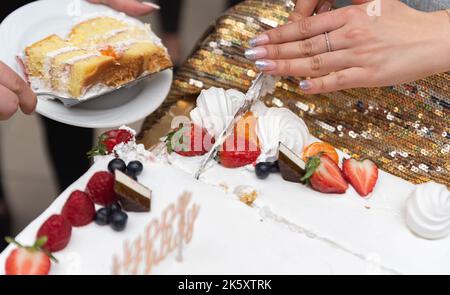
(274, 201)
(99, 53)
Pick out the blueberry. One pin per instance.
(275, 168)
(102, 216)
(113, 208)
(118, 220)
(135, 167)
(117, 164)
(263, 169)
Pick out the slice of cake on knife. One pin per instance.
(103, 51)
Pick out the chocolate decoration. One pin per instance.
(133, 196)
(292, 167)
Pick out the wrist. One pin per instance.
(440, 30)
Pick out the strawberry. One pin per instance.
(79, 209)
(362, 175)
(28, 260)
(100, 188)
(324, 175)
(189, 140)
(108, 140)
(58, 231)
(237, 152)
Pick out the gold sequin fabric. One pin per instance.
(404, 128)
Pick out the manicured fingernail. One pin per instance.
(259, 40)
(265, 65)
(256, 53)
(326, 6)
(153, 5)
(305, 84)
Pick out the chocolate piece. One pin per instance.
(133, 196)
(292, 167)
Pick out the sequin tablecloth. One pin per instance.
(404, 128)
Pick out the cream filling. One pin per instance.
(48, 61)
(78, 58)
(108, 35)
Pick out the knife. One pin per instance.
(260, 87)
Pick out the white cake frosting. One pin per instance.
(288, 229)
(428, 211)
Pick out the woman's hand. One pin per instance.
(130, 7)
(399, 45)
(305, 8)
(14, 93)
(309, 7)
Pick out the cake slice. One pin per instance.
(38, 53)
(103, 51)
(133, 47)
(65, 68)
(73, 72)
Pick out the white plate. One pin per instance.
(39, 19)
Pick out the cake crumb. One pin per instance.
(224, 186)
(248, 199)
(246, 194)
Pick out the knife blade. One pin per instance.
(260, 86)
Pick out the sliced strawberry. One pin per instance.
(79, 209)
(58, 231)
(362, 175)
(189, 140)
(108, 140)
(28, 260)
(100, 188)
(324, 175)
(238, 152)
(25, 262)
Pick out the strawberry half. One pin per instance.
(324, 175)
(362, 175)
(108, 140)
(28, 260)
(100, 188)
(189, 140)
(79, 209)
(238, 152)
(58, 231)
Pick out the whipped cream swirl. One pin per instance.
(277, 125)
(216, 108)
(428, 211)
